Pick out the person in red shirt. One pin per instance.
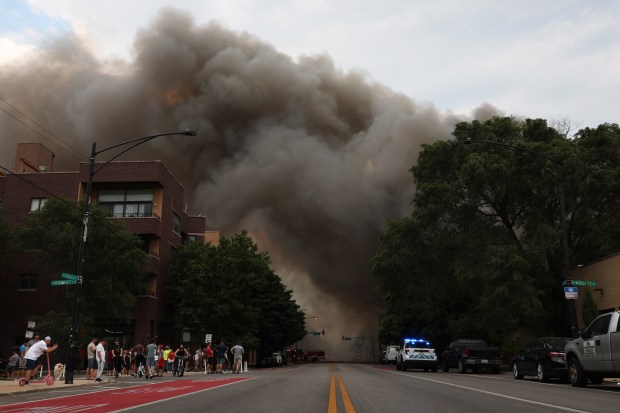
(160, 360)
(208, 358)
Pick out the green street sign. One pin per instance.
(68, 276)
(63, 282)
(580, 283)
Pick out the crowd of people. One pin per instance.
(150, 361)
(157, 360)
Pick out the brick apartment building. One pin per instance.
(606, 274)
(144, 194)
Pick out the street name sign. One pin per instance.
(63, 282)
(579, 283)
(68, 276)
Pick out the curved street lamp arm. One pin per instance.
(136, 142)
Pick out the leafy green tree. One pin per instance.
(230, 291)
(112, 275)
(589, 309)
(481, 253)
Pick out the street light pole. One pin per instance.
(378, 326)
(557, 168)
(372, 335)
(73, 343)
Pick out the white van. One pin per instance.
(389, 357)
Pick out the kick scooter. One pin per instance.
(49, 379)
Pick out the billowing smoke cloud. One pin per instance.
(312, 161)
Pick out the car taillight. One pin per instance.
(556, 356)
(407, 351)
(465, 352)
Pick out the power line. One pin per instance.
(19, 176)
(72, 204)
(67, 147)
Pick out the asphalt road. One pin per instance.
(323, 387)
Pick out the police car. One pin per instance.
(416, 353)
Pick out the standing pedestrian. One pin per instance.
(237, 352)
(22, 359)
(220, 354)
(91, 370)
(197, 357)
(100, 356)
(126, 363)
(160, 360)
(209, 359)
(117, 354)
(13, 365)
(170, 359)
(139, 355)
(166, 364)
(34, 352)
(34, 339)
(150, 358)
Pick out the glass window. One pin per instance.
(127, 202)
(37, 203)
(599, 326)
(28, 281)
(176, 223)
(173, 256)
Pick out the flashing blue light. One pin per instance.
(417, 340)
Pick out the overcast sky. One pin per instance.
(549, 59)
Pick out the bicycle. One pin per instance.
(180, 366)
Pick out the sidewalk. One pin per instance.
(11, 387)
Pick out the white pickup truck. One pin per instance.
(595, 355)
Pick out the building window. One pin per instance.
(176, 223)
(37, 203)
(127, 202)
(173, 256)
(28, 281)
(151, 285)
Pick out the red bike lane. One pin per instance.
(112, 400)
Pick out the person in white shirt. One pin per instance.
(100, 356)
(34, 352)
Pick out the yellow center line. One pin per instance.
(332, 408)
(348, 406)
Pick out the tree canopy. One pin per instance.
(113, 265)
(230, 291)
(481, 253)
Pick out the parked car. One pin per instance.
(467, 353)
(595, 355)
(416, 353)
(390, 354)
(543, 358)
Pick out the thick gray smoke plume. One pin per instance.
(312, 161)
